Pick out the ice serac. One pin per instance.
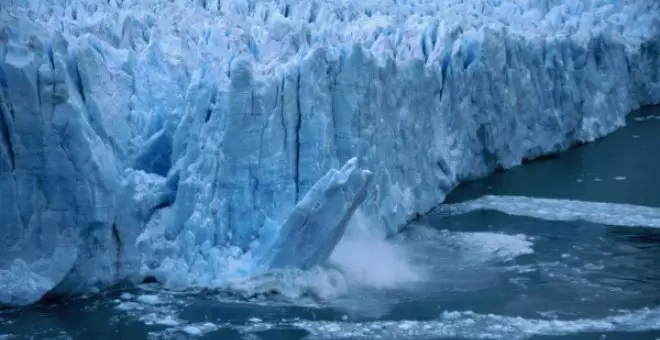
(183, 140)
(58, 178)
(319, 220)
(67, 135)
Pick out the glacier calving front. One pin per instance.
(196, 142)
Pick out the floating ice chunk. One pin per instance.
(149, 299)
(199, 329)
(192, 330)
(168, 320)
(560, 210)
(129, 306)
(159, 318)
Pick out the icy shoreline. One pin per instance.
(174, 140)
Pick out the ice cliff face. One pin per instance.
(197, 141)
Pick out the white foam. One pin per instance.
(370, 261)
(494, 246)
(474, 247)
(561, 210)
(481, 326)
(375, 263)
(366, 258)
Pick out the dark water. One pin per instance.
(484, 274)
(589, 171)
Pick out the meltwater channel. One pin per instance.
(567, 247)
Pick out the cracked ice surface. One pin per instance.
(181, 139)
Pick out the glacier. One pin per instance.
(197, 141)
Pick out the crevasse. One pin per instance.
(196, 141)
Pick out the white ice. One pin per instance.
(616, 214)
(180, 139)
(149, 299)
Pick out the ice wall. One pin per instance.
(178, 139)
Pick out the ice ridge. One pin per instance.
(192, 141)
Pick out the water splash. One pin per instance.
(367, 258)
